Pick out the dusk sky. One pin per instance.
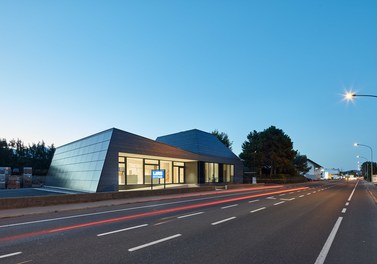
(69, 69)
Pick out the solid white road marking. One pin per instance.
(121, 230)
(229, 206)
(253, 201)
(279, 203)
(154, 242)
(257, 210)
(344, 210)
(184, 216)
(222, 221)
(349, 198)
(10, 255)
(325, 250)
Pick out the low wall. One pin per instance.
(21, 202)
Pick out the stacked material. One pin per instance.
(26, 181)
(4, 173)
(13, 182)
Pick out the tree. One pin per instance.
(16, 155)
(301, 164)
(223, 137)
(5, 153)
(270, 151)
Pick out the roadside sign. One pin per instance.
(158, 174)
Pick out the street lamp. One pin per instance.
(361, 157)
(349, 96)
(371, 157)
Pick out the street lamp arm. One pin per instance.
(366, 95)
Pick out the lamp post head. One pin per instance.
(348, 96)
(355, 144)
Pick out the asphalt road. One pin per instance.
(321, 222)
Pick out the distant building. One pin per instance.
(315, 171)
(113, 160)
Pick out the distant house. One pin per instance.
(315, 170)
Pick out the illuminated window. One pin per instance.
(122, 174)
(134, 171)
(228, 172)
(212, 172)
(167, 166)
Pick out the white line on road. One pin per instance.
(154, 242)
(189, 215)
(229, 206)
(291, 199)
(10, 255)
(301, 196)
(344, 210)
(257, 210)
(349, 198)
(121, 230)
(308, 194)
(253, 201)
(347, 203)
(325, 250)
(271, 197)
(117, 210)
(222, 221)
(279, 203)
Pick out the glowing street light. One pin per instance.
(371, 157)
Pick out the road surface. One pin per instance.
(319, 222)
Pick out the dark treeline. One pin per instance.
(16, 155)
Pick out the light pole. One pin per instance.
(371, 157)
(349, 96)
(361, 157)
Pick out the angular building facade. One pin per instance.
(115, 160)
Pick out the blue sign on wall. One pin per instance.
(158, 174)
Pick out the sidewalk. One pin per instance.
(372, 190)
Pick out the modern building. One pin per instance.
(115, 160)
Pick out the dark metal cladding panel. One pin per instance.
(198, 142)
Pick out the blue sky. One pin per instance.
(69, 69)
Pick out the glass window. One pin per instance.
(228, 171)
(167, 166)
(148, 174)
(212, 172)
(134, 171)
(122, 174)
(148, 161)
